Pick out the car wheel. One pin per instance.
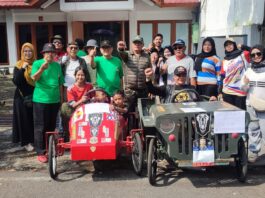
(52, 157)
(152, 162)
(241, 161)
(137, 154)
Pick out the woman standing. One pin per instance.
(253, 82)
(207, 67)
(234, 65)
(168, 51)
(23, 111)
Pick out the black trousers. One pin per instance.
(238, 101)
(207, 90)
(44, 116)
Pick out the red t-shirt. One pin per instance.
(75, 93)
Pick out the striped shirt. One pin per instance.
(233, 71)
(210, 72)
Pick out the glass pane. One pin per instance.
(24, 32)
(42, 37)
(182, 32)
(165, 30)
(3, 44)
(60, 29)
(146, 31)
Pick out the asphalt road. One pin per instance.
(120, 181)
(21, 175)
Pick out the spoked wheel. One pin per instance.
(152, 162)
(52, 157)
(242, 161)
(137, 154)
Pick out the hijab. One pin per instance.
(233, 54)
(23, 59)
(202, 55)
(255, 65)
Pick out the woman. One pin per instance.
(168, 51)
(253, 82)
(23, 113)
(208, 66)
(155, 64)
(75, 97)
(233, 67)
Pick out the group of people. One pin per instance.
(65, 78)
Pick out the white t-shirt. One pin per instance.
(69, 72)
(186, 62)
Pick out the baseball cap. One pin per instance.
(48, 47)
(229, 40)
(180, 70)
(105, 43)
(73, 43)
(92, 43)
(138, 38)
(59, 37)
(179, 42)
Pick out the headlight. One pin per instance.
(167, 125)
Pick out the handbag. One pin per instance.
(27, 100)
(257, 103)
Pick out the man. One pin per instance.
(180, 59)
(136, 61)
(90, 48)
(169, 91)
(57, 41)
(109, 69)
(157, 42)
(80, 44)
(48, 78)
(70, 63)
(121, 46)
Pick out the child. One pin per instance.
(100, 96)
(119, 104)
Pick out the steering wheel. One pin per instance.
(91, 93)
(186, 95)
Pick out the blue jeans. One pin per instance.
(44, 116)
(256, 129)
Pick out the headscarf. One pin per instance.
(255, 65)
(29, 61)
(202, 55)
(233, 54)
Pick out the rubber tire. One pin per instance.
(241, 162)
(52, 157)
(152, 162)
(137, 157)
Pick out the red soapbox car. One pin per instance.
(96, 133)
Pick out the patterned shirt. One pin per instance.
(210, 72)
(232, 72)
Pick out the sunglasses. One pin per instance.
(252, 55)
(181, 75)
(178, 47)
(73, 48)
(57, 42)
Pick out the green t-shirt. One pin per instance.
(109, 74)
(81, 53)
(47, 88)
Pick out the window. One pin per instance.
(113, 31)
(38, 34)
(3, 48)
(171, 30)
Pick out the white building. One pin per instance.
(37, 21)
(242, 20)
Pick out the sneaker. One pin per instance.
(29, 147)
(42, 158)
(252, 157)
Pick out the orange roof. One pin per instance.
(176, 3)
(18, 3)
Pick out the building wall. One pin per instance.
(141, 11)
